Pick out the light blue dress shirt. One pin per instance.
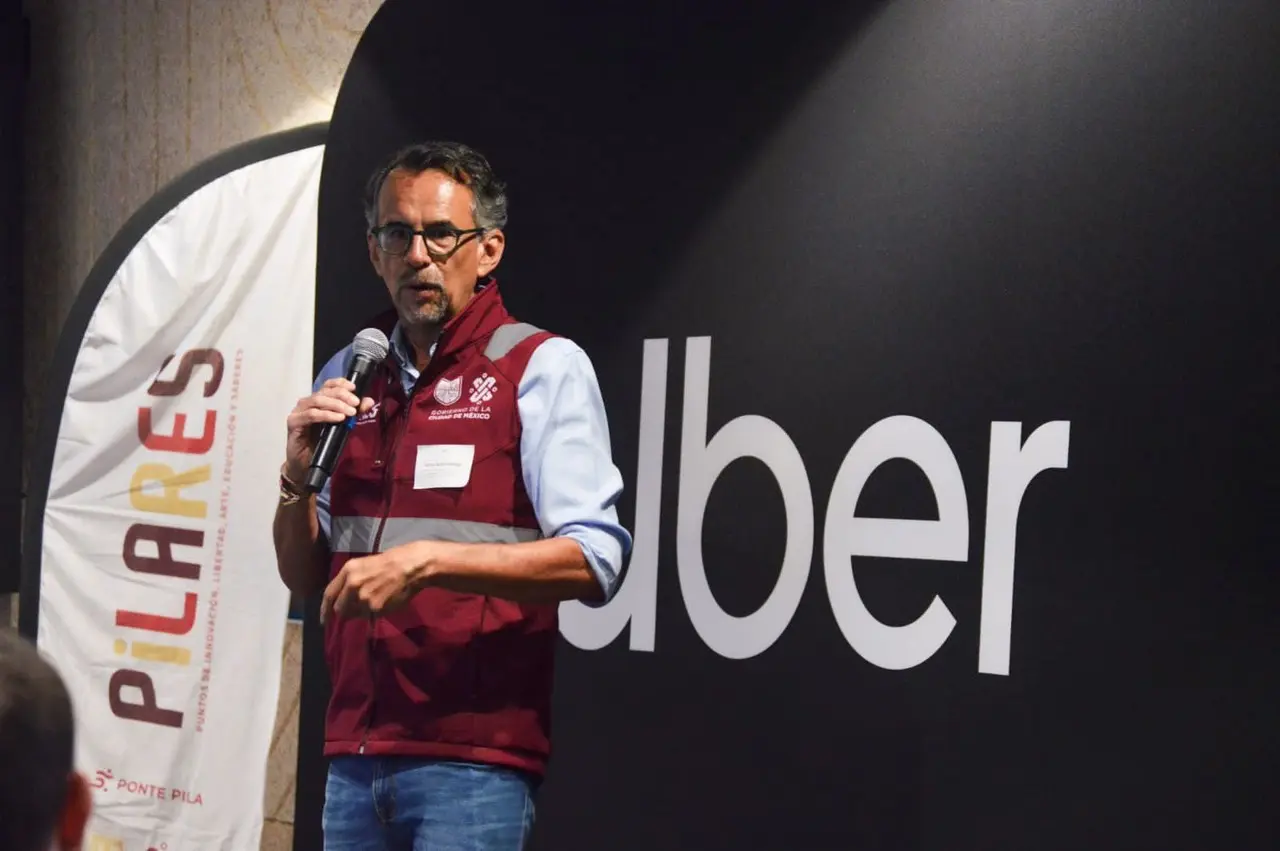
(565, 453)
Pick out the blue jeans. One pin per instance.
(404, 804)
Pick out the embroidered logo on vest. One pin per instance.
(482, 390)
(448, 392)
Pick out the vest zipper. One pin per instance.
(388, 481)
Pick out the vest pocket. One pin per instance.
(428, 663)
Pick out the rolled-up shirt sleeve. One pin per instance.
(567, 460)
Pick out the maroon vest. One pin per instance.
(454, 676)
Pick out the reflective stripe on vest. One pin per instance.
(507, 337)
(356, 534)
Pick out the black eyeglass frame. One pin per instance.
(458, 235)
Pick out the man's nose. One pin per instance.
(417, 255)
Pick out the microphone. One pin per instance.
(368, 349)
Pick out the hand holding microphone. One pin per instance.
(319, 423)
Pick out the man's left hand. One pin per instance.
(374, 584)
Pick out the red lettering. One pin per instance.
(147, 710)
(164, 537)
(178, 441)
(159, 623)
(211, 358)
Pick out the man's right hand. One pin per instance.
(332, 403)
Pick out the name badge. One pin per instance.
(443, 465)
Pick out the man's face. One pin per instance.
(429, 290)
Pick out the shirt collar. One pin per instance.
(403, 352)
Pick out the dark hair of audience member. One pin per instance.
(43, 801)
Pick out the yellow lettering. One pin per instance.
(171, 502)
(148, 652)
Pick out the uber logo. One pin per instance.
(1012, 464)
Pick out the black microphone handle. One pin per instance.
(332, 440)
(333, 437)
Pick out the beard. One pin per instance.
(423, 304)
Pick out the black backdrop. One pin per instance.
(13, 71)
(962, 211)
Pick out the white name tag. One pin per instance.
(443, 466)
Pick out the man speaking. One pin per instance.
(474, 492)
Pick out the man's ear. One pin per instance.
(492, 244)
(75, 813)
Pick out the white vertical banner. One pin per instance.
(159, 598)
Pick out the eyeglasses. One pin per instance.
(441, 239)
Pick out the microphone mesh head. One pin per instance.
(371, 343)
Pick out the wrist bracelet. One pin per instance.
(290, 492)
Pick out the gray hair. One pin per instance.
(463, 164)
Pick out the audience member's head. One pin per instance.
(44, 802)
